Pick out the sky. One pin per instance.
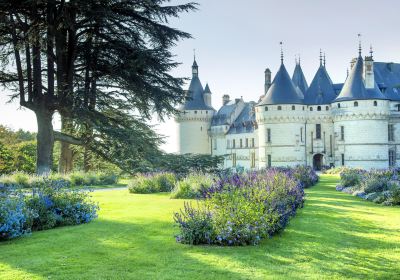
(236, 40)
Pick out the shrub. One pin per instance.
(351, 177)
(242, 209)
(54, 205)
(196, 225)
(152, 183)
(306, 175)
(192, 186)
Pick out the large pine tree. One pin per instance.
(104, 65)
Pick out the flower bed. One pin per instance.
(379, 186)
(152, 183)
(242, 209)
(50, 204)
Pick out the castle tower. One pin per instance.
(194, 120)
(280, 118)
(361, 114)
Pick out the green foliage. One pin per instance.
(25, 157)
(5, 159)
(152, 183)
(74, 179)
(192, 186)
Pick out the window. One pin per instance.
(201, 128)
(330, 145)
(338, 105)
(301, 134)
(268, 135)
(234, 159)
(327, 108)
(318, 131)
(279, 108)
(215, 144)
(398, 107)
(252, 142)
(392, 158)
(195, 112)
(228, 144)
(293, 107)
(233, 143)
(311, 108)
(247, 142)
(390, 132)
(342, 133)
(241, 143)
(303, 108)
(375, 103)
(312, 142)
(355, 104)
(342, 159)
(319, 108)
(253, 160)
(206, 112)
(269, 162)
(266, 108)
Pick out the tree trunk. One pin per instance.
(66, 163)
(45, 142)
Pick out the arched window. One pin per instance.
(319, 108)
(293, 107)
(375, 103)
(279, 108)
(327, 108)
(266, 108)
(355, 104)
(311, 108)
(338, 105)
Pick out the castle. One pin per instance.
(355, 123)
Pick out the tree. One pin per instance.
(102, 64)
(5, 159)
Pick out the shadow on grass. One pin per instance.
(331, 237)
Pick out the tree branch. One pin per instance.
(59, 136)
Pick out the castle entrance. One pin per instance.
(318, 161)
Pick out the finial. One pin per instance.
(194, 54)
(320, 57)
(280, 43)
(371, 52)
(324, 59)
(359, 44)
(299, 60)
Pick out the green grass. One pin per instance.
(335, 236)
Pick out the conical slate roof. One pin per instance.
(354, 87)
(299, 80)
(321, 90)
(282, 90)
(207, 89)
(195, 100)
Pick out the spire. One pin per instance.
(281, 52)
(324, 60)
(371, 52)
(320, 57)
(359, 44)
(195, 67)
(207, 89)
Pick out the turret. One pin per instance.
(267, 83)
(207, 95)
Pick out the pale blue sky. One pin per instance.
(236, 40)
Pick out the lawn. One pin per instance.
(334, 236)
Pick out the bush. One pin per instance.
(241, 209)
(13, 217)
(351, 177)
(192, 186)
(306, 175)
(152, 183)
(73, 179)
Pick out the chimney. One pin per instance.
(369, 72)
(225, 99)
(267, 80)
